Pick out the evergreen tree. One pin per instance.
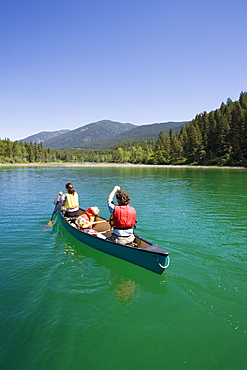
(205, 131)
(226, 112)
(245, 138)
(194, 142)
(9, 150)
(162, 149)
(183, 137)
(243, 100)
(176, 149)
(221, 134)
(212, 135)
(170, 133)
(237, 131)
(31, 153)
(163, 142)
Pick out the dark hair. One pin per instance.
(123, 197)
(70, 188)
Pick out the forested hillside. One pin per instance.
(215, 138)
(142, 132)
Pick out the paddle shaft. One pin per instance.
(50, 222)
(99, 222)
(102, 232)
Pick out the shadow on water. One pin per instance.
(125, 279)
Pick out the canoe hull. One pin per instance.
(152, 257)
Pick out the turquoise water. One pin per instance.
(67, 306)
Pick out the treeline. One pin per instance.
(215, 138)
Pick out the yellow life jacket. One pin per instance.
(71, 201)
(111, 221)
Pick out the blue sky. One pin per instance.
(66, 63)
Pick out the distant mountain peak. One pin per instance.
(102, 134)
(43, 135)
(95, 131)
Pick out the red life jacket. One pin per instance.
(124, 217)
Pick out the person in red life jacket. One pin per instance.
(70, 201)
(123, 215)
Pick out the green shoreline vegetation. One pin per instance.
(218, 138)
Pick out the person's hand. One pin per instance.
(60, 193)
(112, 193)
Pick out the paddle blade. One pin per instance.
(47, 225)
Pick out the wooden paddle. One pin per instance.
(88, 224)
(98, 222)
(58, 204)
(102, 232)
(50, 222)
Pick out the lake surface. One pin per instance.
(66, 306)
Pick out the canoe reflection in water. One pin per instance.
(92, 270)
(126, 290)
(86, 278)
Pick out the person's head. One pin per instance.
(122, 197)
(69, 187)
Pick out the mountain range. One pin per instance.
(44, 135)
(102, 134)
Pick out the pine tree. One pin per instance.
(194, 142)
(31, 155)
(245, 136)
(162, 149)
(212, 135)
(9, 150)
(183, 137)
(205, 131)
(163, 142)
(221, 134)
(176, 149)
(237, 131)
(243, 100)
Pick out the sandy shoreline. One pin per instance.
(90, 164)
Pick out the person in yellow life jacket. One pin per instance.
(70, 201)
(123, 216)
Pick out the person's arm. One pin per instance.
(60, 201)
(111, 204)
(112, 193)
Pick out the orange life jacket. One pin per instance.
(87, 218)
(124, 217)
